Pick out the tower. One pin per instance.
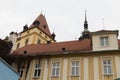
(37, 33)
(85, 33)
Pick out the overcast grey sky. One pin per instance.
(64, 17)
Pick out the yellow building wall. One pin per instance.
(90, 68)
(33, 35)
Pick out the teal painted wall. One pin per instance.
(6, 72)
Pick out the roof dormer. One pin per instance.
(104, 40)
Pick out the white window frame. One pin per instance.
(55, 69)
(37, 70)
(107, 67)
(104, 41)
(21, 70)
(75, 68)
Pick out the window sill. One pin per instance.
(108, 74)
(35, 77)
(104, 46)
(55, 76)
(74, 75)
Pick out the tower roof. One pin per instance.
(42, 24)
(85, 22)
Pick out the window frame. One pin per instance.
(21, 70)
(55, 68)
(38, 41)
(18, 45)
(104, 40)
(26, 41)
(37, 70)
(76, 68)
(107, 66)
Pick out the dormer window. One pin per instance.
(104, 41)
(36, 23)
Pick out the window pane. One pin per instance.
(73, 63)
(77, 63)
(53, 71)
(39, 71)
(105, 69)
(35, 73)
(57, 71)
(109, 69)
(77, 70)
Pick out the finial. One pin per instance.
(85, 15)
(85, 23)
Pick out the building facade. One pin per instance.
(95, 56)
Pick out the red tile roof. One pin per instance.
(41, 18)
(119, 43)
(57, 47)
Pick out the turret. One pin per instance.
(13, 37)
(53, 35)
(85, 33)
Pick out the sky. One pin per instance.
(64, 17)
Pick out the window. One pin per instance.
(37, 70)
(26, 41)
(36, 23)
(21, 69)
(44, 26)
(75, 68)
(55, 69)
(18, 45)
(38, 41)
(104, 41)
(107, 67)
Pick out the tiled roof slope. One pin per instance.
(119, 43)
(41, 18)
(57, 47)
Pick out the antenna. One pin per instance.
(103, 23)
(75, 37)
(41, 11)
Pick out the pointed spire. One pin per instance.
(85, 22)
(85, 33)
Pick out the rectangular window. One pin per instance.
(37, 70)
(18, 45)
(55, 69)
(104, 41)
(107, 67)
(38, 41)
(26, 41)
(21, 69)
(75, 68)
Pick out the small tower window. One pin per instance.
(18, 45)
(44, 26)
(36, 23)
(26, 41)
(38, 41)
